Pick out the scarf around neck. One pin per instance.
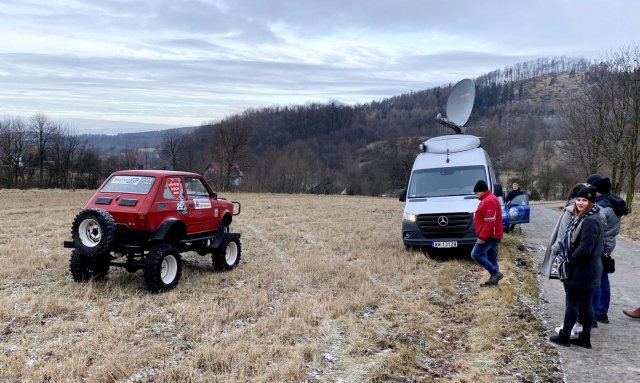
(570, 235)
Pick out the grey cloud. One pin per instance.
(216, 50)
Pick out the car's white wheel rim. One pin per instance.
(231, 254)
(90, 232)
(169, 269)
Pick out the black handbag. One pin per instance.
(608, 264)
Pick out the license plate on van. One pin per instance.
(445, 245)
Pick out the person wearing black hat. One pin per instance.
(487, 222)
(581, 268)
(613, 208)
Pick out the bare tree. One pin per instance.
(172, 148)
(88, 168)
(131, 158)
(581, 135)
(65, 149)
(603, 124)
(42, 131)
(230, 150)
(14, 139)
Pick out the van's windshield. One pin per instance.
(440, 182)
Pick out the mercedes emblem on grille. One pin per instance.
(443, 221)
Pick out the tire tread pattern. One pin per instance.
(153, 267)
(108, 225)
(218, 255)
(84, 268)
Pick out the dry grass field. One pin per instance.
(325, 292)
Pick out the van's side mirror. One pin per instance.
(497, 190)
(403, 195)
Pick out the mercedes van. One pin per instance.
(440, 201)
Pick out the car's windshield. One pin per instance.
(440, 182)
(129, 184)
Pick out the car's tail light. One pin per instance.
(142, 220)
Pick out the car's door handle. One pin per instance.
(191, 204)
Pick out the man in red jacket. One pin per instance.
(488, 225)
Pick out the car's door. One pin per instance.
(203, 216)
(519, 210)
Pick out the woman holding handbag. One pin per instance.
(581, 267)
(549, 264)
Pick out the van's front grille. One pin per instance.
(446, 225)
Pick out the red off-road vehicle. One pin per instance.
(144, 219)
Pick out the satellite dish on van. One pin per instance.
(459, 106)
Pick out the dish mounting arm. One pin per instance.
(449, 124)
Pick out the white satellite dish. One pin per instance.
(459, 105)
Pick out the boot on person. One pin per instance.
(493, 280)
(561, 339)
(632, 313)
(582, 340)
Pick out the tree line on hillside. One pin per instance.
(333, 148)
(602, 126)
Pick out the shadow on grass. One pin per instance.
(462, 253)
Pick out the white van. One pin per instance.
(440, 201)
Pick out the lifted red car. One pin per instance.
(144, 219)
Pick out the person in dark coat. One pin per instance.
(555, 246)
(612, 208)
(582, 268)
(513, 193)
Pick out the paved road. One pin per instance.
(615, 356)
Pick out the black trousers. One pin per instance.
(578, 302)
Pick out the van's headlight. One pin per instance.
(409, 217)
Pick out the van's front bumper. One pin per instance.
(413, 236)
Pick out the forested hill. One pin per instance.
(369, 148)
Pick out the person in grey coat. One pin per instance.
(612, 208)
(555, 244)
(581, 269)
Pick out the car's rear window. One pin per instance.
(129, 184)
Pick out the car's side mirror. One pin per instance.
(403, 195)
(215, 195)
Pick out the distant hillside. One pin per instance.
(107, 144)
(369, 148)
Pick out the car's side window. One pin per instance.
(173, 189)
(195, 188)
(521, 199)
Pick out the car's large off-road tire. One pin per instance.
(84, 268)
(227, 255)
(162, 268)
(93, 231)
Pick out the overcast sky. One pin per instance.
(118, 65)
